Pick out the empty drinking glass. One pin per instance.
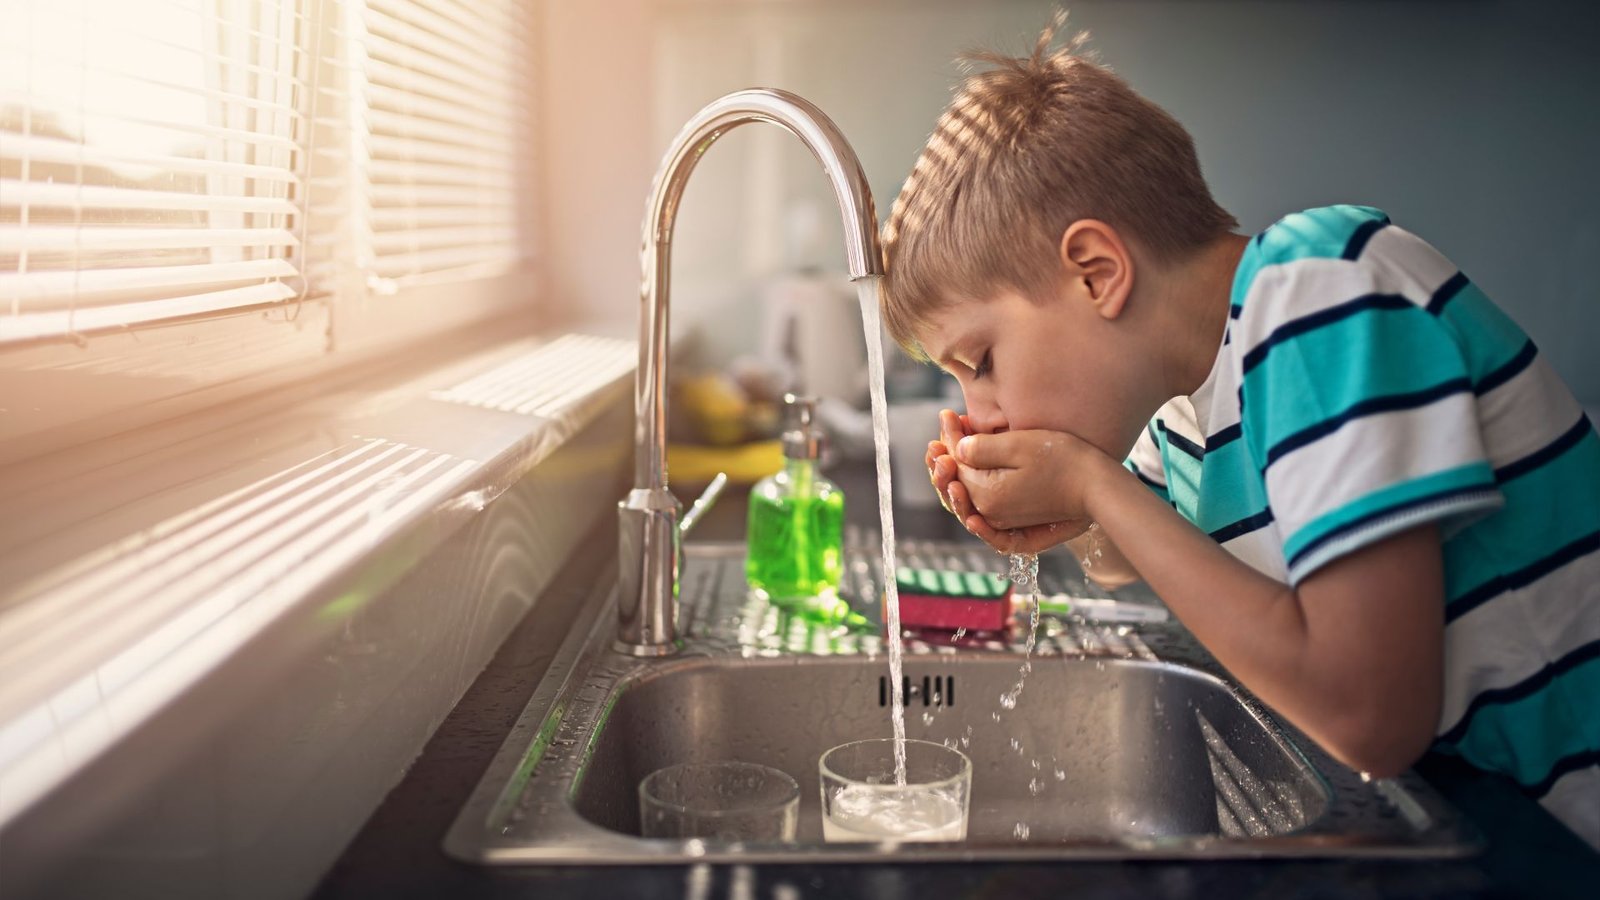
(729, 801)
(862, 802)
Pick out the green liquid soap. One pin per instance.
(796, 541)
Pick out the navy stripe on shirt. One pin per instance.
(1224, 437)
(1368, 407)
(1447, 292)
(1527, 687)
(1362, 521)
(1152, 483)
(1568, 439)
(1243, 527)
(1182, 443)
(1313, 321)
(1358, 239)
(1522, 577)
(1510, 370)
(1563, 767)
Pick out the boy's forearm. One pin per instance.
(1101, 560)
(1304, 666)
(1205, 586)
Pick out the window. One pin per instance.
(214, 189)
(147, 163)
(444, 96)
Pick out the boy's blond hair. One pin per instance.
(1027, 147)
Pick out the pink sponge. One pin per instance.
(950, 600)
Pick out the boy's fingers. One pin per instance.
(949, 427)
(980, 528)
(985, 451)
(961, 501)
(944, 471)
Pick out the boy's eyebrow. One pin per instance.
(943, 360)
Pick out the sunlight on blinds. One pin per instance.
(442, 120)
(148, 157)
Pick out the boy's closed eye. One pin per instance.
(985, 365)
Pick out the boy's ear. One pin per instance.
(1096, 260)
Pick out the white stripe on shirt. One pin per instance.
(1369, 453)
(1505, 642)
(1526, 413)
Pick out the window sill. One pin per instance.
(132, 568)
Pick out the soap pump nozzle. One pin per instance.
(802, 438)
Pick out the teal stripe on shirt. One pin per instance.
(1487, 336)
(1547, 508)
(1233, 490)
(1527, 737)
(1379, 502)
(1314, 234)
(1183, 479)
(1301, 384)
(1156, 489)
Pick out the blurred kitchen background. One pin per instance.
(1472, 122)
(317, 322)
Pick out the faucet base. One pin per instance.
(647, 650)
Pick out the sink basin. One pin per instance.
(1123, 748)
(1124, 743)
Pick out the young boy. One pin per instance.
(1361, 488)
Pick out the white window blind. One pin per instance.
(442, 118)
(148, 161)
(169, 159)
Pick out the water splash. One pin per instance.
(872, 328)
(1091, 547)
(1024, 577)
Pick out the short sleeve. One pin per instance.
(1358, 409)
(1144, 461)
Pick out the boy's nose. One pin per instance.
(986, 418)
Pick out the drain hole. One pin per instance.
(932, 690)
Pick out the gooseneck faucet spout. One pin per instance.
(649, 538)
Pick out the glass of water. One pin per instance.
(862, 802)
(728, 801)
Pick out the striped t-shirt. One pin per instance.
(1363, 387)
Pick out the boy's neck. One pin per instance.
(1198, 292)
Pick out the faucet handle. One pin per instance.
(707, 498)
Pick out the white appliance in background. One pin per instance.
(812, 323)
(813, 330)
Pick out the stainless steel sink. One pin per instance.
(1125, 743)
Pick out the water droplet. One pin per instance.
(1008, 700)
(927, 718)
(1035, 786)
(1016, 745)
(1061, 774)
(995, 715)
(1021, 831)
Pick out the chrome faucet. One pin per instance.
(650, 538)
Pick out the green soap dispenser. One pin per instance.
(796, 527)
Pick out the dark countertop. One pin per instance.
(398, 853)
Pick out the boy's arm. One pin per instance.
(1102, 561)
(1353, 656)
